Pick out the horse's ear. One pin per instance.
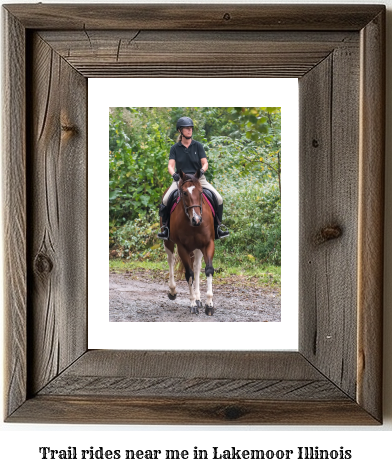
(197, 174)
(182, 175)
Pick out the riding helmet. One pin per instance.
(184, 122)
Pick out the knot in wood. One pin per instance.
(69, 128)
(227, 16)
(233, 413)
(43, 264)
(328, 233)
(315, 143)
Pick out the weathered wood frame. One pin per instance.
(337, 52)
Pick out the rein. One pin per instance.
(190, 207)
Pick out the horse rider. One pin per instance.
(188, 155)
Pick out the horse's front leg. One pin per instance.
(208, 256)
(190, 276)
(197, 268)
(169, 249)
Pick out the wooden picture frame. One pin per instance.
(338, 54)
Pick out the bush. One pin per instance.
(137, 169)
(138, 238)
(252, 214)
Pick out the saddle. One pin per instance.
(209, 196)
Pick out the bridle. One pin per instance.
(190, 207)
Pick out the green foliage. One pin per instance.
(240, 158)
(137, 166)
(262, 127)
(256, 121)
(137, 238)
(252, 213)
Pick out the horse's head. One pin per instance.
(191, 194)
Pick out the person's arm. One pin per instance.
(172, 167)
(204, 164)
(203, 161)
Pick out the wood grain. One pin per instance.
(371, 216)
(57, 215)
(329, 199)
(127, 53)
(97, 409)
(192, 387)
(14, 209)
(208, 375)
(193, 17)
(201, 387)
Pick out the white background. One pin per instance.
(370, 446)
(190, 336)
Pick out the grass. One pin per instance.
(237, 269)
(119, 265)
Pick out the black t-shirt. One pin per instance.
(187, 159)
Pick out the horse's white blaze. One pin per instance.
(197, 268)
(191, 188)
(209, 291)
(171, 261)
(196, 216)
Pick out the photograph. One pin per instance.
(195, 214)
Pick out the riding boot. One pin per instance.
(219, 233)
(164, 212)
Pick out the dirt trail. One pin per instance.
(142, 297)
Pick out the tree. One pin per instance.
(262, 126)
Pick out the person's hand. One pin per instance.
(176, 177)
(201, 171)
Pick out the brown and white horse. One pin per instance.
(192, 230)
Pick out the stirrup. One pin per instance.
(164, 235)
(221, 234)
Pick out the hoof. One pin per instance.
(194, 310)
(198, 303)
(172, 297)
(209, 310)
